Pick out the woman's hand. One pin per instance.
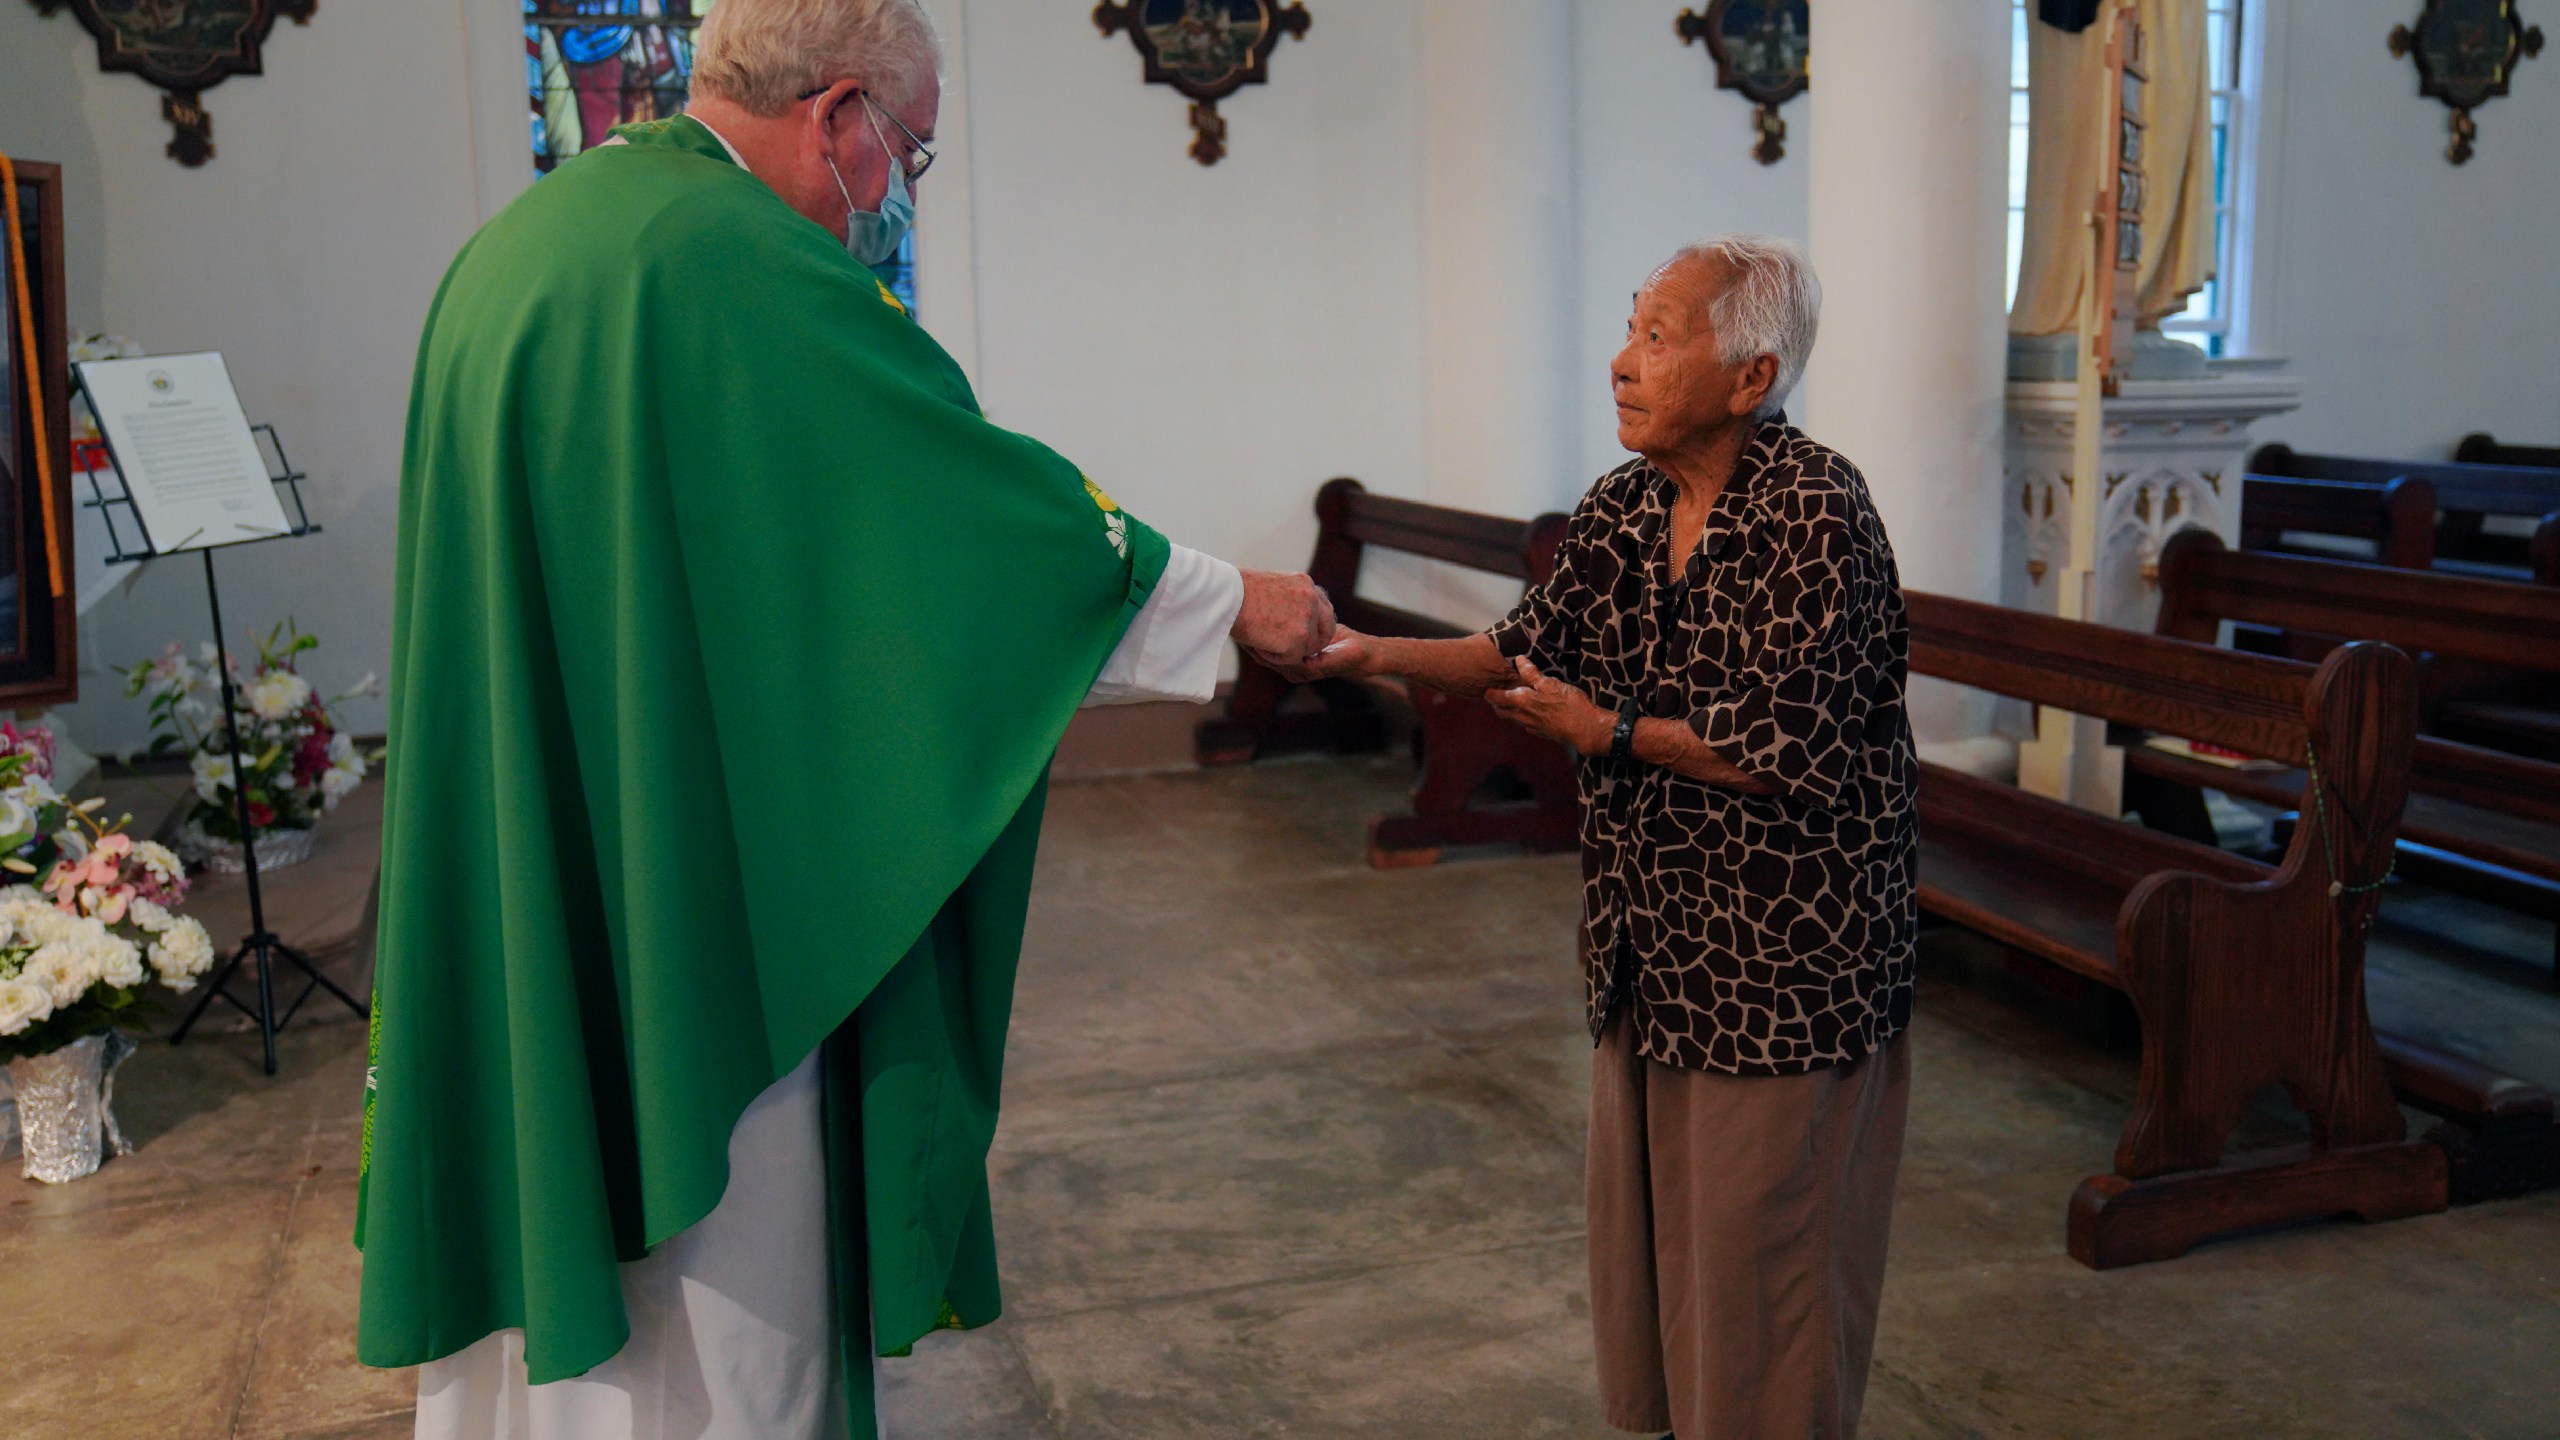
(1350, 656)
(1546, 706)
(1463, 666)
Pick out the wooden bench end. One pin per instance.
(2115, 1221)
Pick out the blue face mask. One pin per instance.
(872, 237)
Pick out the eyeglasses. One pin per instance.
(915, 168)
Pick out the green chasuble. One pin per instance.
(732, 644)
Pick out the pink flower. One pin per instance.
(118, 844)
(35, 742)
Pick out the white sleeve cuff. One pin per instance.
(1175, 643)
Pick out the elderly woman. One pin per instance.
(1723, 641)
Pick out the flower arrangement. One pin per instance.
(297, 762)
(77, 951)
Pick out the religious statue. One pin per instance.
(2067, 90)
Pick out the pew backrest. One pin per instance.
(2398, 517)
(2496, 622)
(2479, 448)
(2351, 721)
(2256, 704)
(2459, 487)
(1350, 521)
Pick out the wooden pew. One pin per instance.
(2466, 495)
(2487, 700)
(2478, 820)
(2480, 448)
(2243, 975)
(2398, 518)
(1463, 742)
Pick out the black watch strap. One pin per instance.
(1622, 741)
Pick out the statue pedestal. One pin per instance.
(2172, 456)
(2173, 451)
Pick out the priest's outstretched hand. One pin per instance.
(1284, 619)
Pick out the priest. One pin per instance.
(732, 645)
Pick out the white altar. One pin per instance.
(2170, 458)
(2173, 452)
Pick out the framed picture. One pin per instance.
(2466, 52)
(1206, 49)
(1761, 48)
(184, 47)
(38, 652)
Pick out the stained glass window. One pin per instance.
(593, 64)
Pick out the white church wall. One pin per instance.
(306, 251)
(1210, 343)
(1662, 158)
(2414, 297)
(1497, 244)
(1429, 223)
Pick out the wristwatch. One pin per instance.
(1622, 741)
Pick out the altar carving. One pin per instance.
(2171, 453)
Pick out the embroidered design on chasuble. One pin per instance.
(372, 1082)
(650, 400)
(1115, 523)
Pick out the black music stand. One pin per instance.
(260, 942)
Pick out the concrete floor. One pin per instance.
(1292, 1148)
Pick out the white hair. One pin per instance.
(1770, 304)
(764, 55)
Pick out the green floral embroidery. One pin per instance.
(372, 1067)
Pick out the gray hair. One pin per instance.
(764, 55)
(1771, 304)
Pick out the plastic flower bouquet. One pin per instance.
(296, 762)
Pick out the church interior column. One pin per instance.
(1907, 221)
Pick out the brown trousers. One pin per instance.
(1738, 1230)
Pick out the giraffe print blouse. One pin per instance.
(1753, 934)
